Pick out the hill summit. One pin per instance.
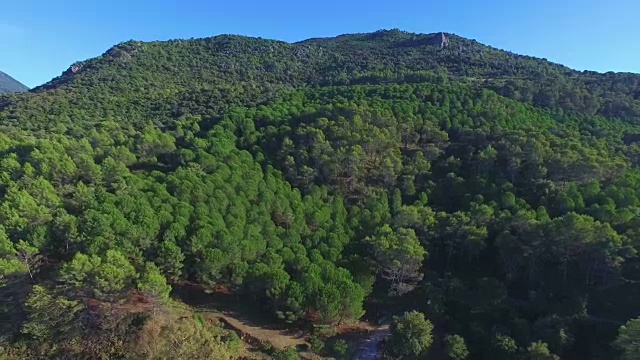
(265, 67)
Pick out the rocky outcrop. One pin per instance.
(73, 69)
(76, 67)
(442, 40)
(124, 51)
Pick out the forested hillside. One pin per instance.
(495, 196)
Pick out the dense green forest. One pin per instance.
(488, 201)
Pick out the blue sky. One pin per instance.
(40, 38)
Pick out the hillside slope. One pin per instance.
(320, 182)
(10, 85)
(151, 75)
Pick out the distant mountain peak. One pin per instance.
(10, 85)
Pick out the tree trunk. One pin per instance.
(30, 273)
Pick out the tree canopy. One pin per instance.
(492, 197)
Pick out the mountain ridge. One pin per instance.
(323, 41)
(390, 56)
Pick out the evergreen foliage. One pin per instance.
(496, 193)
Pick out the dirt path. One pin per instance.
(255, 334)
(254, 327)
(245, 318)
(370, 348)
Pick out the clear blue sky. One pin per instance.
(40, 38)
